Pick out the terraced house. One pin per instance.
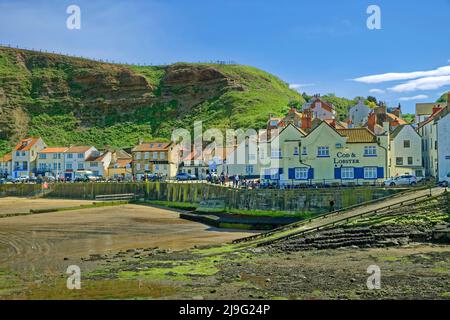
(24, 157)
(75, 159)
(6, 165)
(50, 162)
(325, 155)
(159, 158)
(329, 155)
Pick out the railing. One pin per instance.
(112, 197)
(325, 215)
(346, 220)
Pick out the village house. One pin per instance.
(158, 158)
(326, 155)
(50, 162)
(24, 156)
(329, 155)
(75, 159)
(120, 166)
(358, 114)
(405, 152)
(428, 130)
(6, 165)
(320, 109)
(443, 143)
(98, 163)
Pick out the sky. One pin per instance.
(316, 46)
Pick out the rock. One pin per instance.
(268, 280)
(352, 280)
(68, 259)
(213, 291)
(197, 298)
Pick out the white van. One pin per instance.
(444, 182)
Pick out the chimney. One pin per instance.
(372, 121)
(306, 119)
(396, 112)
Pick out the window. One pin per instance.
(399, 161)
(80, 166)
(276, 153)
(147, 155)
(94, 164)
(301, 173)
(69, 166)
(55, 166)
(155, 155)
(323, 151)
(42, 156)
(80, 156)
(147, 167)
(138, 156)
(156, 167)
(249, 169)
(55, 155)
(410, 160)
(347, 173)
(406, 144)
(252, 157)
(304, 151)
(23, 153)
(17, 154)
(370, 173)
(295, 151)
(69, 156)
(370, 151)
(138, 166)
(274, 173)
(273, 123)
(162, 155)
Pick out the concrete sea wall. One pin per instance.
(295, 200)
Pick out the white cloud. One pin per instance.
(428, 83)
(377, 91)
(418, 97)
(392, 76)
(297, 86)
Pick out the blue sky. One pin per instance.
(317, 46)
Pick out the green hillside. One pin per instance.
(70, 100)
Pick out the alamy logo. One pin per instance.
(73, 22)
(374, 20)
(74, 279)
(374, 280)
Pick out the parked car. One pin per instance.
(183, 176)
(404, 180)
(444, 182)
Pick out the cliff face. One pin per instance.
(71, 100)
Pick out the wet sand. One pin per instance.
(51, 241)
(10, 205)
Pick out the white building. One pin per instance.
(320, 109)
(443, 143)
(50, 162)
(359, 114)
(24, 157)
(99, 163)
(405, 154)
(75, 159)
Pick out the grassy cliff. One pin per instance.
(70, 100)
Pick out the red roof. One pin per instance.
(431, 118)
(78, 149)
(54, 150)
(26, 144)
(6, 158)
